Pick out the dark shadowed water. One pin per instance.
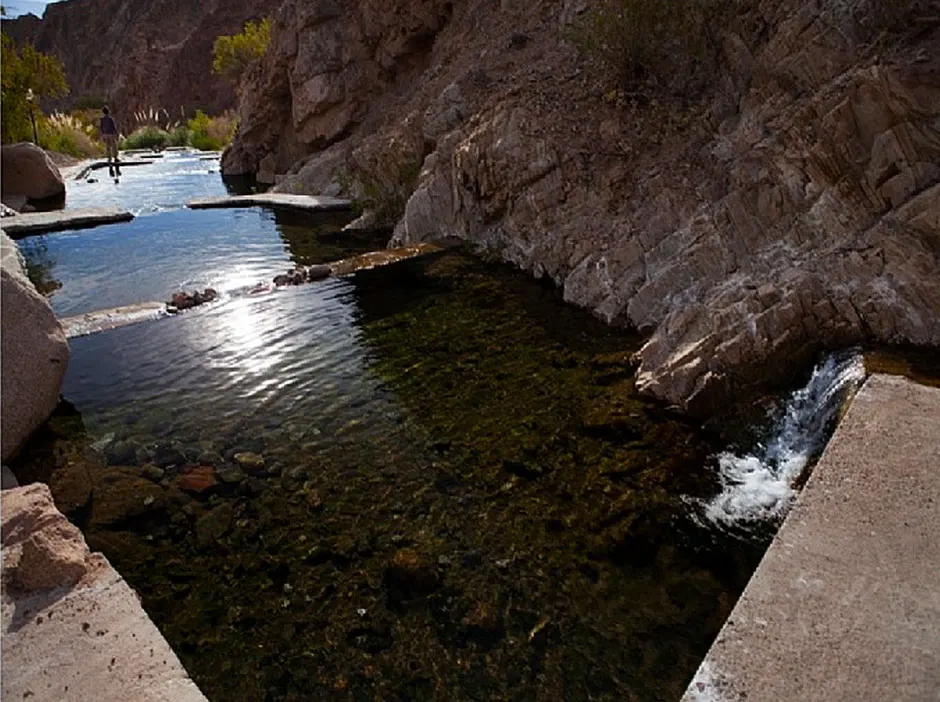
(432, 480)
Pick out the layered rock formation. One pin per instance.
(34, 351)
(147, 55)
(793, 204)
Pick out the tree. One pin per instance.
(28, 76)
(232, 54)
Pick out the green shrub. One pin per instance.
(69, 134)
(666, 43)
(148, 137)
(211, 133)
(232, 54)
(179, 136)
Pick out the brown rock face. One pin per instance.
(790, 205)
(28, 171)
(141, 55)
(326, 68)
(34, 351)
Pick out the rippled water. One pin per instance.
(163, 184)
(169, 248)
(454, 491)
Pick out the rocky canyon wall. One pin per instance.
(792, 204)
(143, 54)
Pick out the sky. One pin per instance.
(15, 8)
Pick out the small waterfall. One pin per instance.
(759, 485)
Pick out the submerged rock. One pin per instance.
(122, 495)
(250, 462)
(198, 480)
(212, 526)
(410, 574)
(153, 472)
(121, 453)
(483, 622)
(231, 475)
(167, 454)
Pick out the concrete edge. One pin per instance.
(304, 203)
(34, 223)
(73, 629)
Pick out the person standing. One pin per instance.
(109, 136)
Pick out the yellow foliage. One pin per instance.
(232, 54)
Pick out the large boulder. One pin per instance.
(34, 350)
(28, 170)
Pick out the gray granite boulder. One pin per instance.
(28, 170)
(34, 351)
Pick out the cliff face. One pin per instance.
(141, 55)
(792, 204)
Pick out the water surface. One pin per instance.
(169, 248)
(433, 480)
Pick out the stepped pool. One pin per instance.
(432, 480)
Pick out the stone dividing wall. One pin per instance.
(791, 207)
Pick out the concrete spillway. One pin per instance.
(845, 604)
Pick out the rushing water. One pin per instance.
(428, 481)
(759, 485)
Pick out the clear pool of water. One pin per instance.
(433, 480)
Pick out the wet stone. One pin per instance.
(165, 454)
(318, 272)
(409, 574)
(185, 301)
(121, 497)
(199, 480)
(241, 445)
(483, 622)
(212, 526)
(373, 634)
(121, 453)
(230, 475)
(312, 498)
(250, 462)
(413, 520)
(255, 486)
(153, 472)
(210, 458)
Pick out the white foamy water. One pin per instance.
(759, 485)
